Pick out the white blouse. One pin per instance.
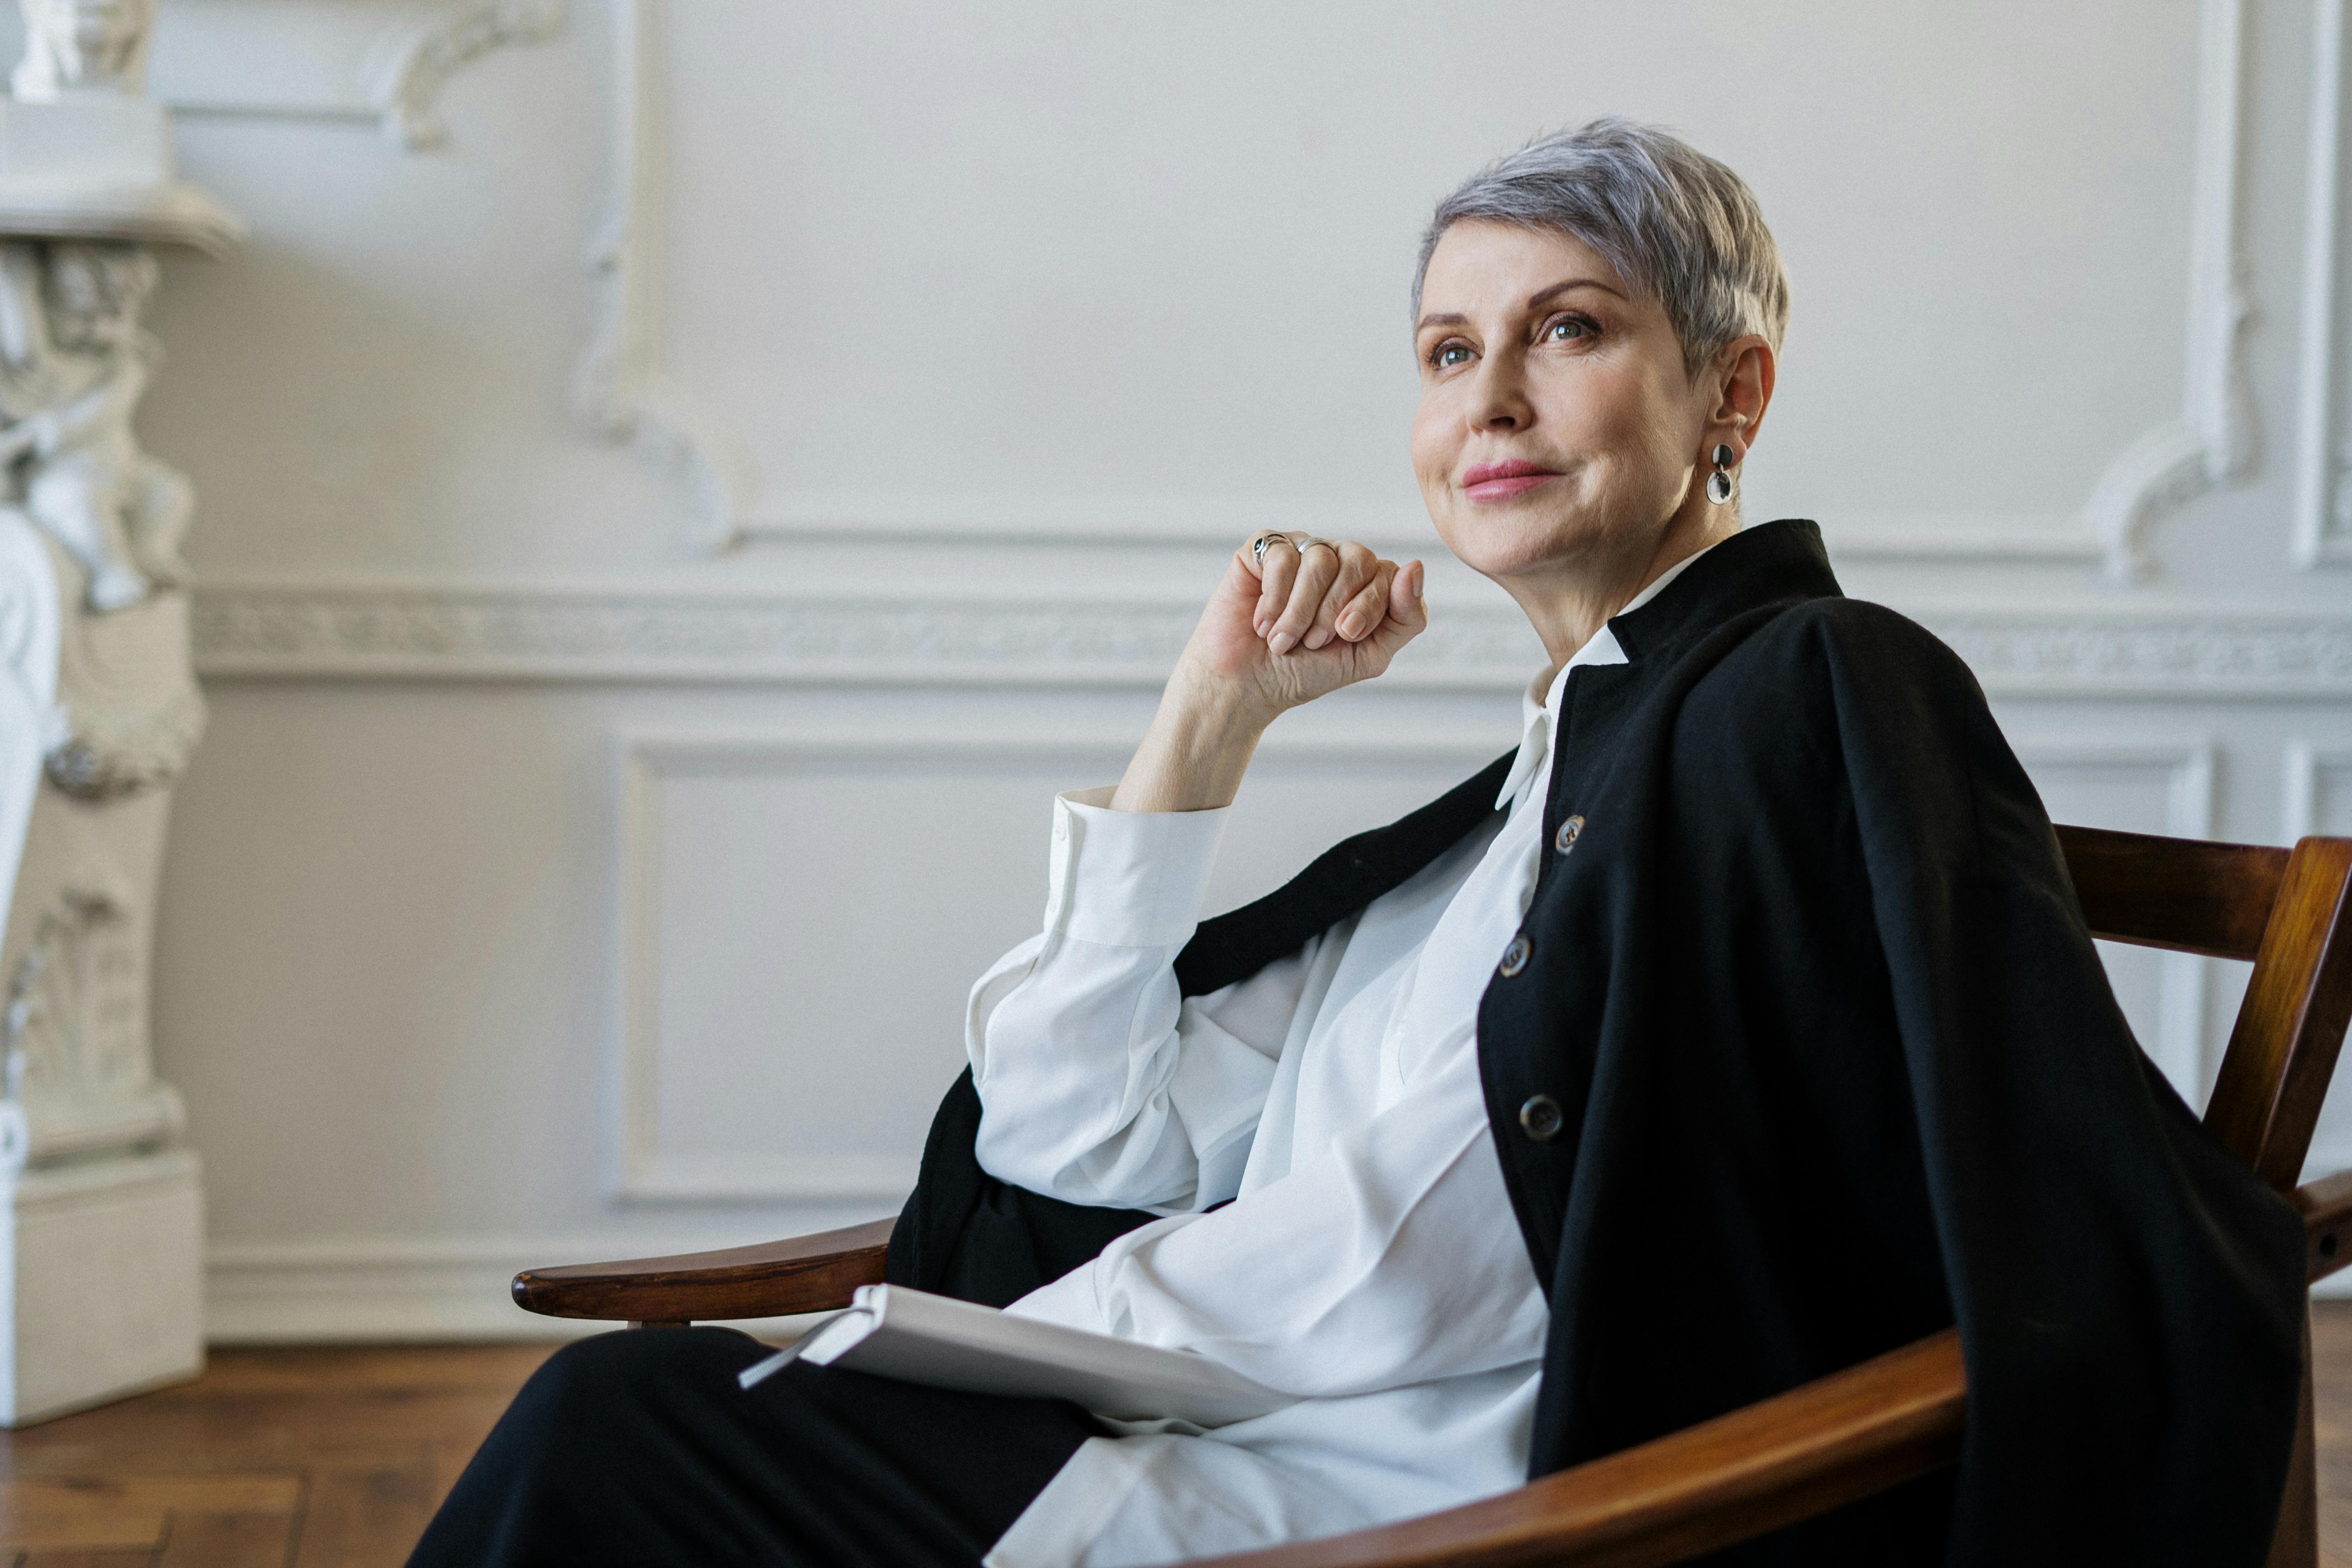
(1368, 1260)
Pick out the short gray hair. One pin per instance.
(1673, 222)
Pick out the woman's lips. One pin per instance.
(1501, 482)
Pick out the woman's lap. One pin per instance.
(639, 1448)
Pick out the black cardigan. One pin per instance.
(1807, 1055)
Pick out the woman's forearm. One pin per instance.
(1198, 748)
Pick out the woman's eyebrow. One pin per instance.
(1454, 318)
(1540, 295)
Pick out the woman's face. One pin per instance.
(1558, 433)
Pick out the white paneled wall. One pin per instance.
(802, 913)
(638, 689)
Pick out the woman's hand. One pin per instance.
(1287, 625)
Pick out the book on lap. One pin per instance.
(916, 1337)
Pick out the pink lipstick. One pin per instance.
(1501, 482)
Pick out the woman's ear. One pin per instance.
(1743, 373)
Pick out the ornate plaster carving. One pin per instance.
(620, 391)
(413, 64)
(74, 364)
(129, 711)
(75, 46)
(78, 1076)
(73, 1009)
(30, 724)
(109, 754)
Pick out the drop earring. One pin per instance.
(1719, 483)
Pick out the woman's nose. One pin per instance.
(1501, 400)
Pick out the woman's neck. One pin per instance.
(1570, 605)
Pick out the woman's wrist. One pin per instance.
(1197, 750)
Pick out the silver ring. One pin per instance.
(1257, 546)
(1311, 542)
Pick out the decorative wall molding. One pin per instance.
(348, 61)
(2182, 1047)
(2323, 478)
(423, 632)
(417, 63)
(2185, 655)
(2213, 441)
(620, 391)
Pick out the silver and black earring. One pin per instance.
(1719, 483)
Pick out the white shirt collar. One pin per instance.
(1540, 713)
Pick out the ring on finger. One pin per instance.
(1258, 546)
(1310, 541)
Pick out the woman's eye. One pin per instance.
(1448, 355)
(1565, 330)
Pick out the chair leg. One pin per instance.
(2296, 1544)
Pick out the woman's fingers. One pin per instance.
(1357, 566)
(1361, 616)
(1334, 590)
(1275, 573)
(1317, 568)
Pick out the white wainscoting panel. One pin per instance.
(2318, 790)
(2142, 787)
(803, 913)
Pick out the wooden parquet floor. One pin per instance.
(274, 1459)
(336, 1458)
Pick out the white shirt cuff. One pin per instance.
(1128, 879)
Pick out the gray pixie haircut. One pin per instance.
(1673, 222)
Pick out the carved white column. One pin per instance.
(101, 1209)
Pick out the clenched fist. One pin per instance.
(1296, 617)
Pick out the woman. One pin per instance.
(1737, 1027)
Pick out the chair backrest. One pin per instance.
(2289, 912)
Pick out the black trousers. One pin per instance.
(636, 1449)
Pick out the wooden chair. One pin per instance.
(1848, 1435)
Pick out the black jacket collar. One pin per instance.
(1772, 563)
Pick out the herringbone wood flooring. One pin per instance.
(335, 1459)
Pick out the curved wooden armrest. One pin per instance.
(1786, 1458)
(806, 1274)
(1783, 1459)
(2327, 1205)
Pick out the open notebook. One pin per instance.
(916, 1337)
